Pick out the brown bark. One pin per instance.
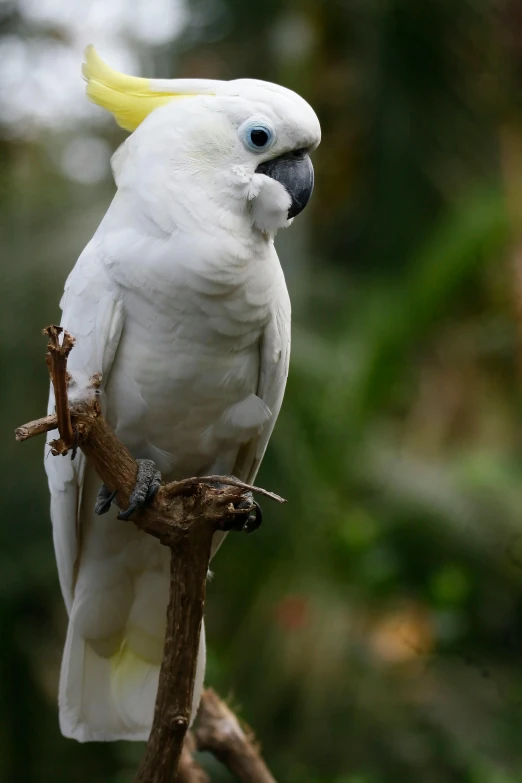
(218, 731)
(36, 427)
(56, 360)
(189, 771)
(176, 683)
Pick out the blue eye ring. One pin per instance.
(258, 136)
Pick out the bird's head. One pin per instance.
(247, 140)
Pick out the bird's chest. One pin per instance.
(182, 370)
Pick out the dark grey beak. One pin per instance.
(295, 172)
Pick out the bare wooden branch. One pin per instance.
(218, 731)
(36, 427)
(178, 670)
(184, 516)
(56, 360)
(189, 771)
(177, 487)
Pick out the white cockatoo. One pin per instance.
(180, 302)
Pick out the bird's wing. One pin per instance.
(93, 314)
(273, 372)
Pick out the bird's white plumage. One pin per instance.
(180, 301)
(93, 312)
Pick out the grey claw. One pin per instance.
(255, 519)
(128, 512)
(76, 442)
(104, 500)
(148, 481)
(237, 521)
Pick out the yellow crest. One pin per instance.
(129, 98)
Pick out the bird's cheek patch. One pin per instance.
(241, 174)
(270, 203)
(256, 183)
(240, 180)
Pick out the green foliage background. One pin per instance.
(371, 631)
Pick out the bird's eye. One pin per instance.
(258, 137)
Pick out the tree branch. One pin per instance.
(218, 731)
(189, 771)
(183, 515)
(56, 360)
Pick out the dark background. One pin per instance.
(371, 631)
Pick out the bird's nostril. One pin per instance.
(299, 154)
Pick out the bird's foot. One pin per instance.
(104, 500)
(148, 481)
(251, 519)
(246, 515)
(76, 443)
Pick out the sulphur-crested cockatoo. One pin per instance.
(180, 302)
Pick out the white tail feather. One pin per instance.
(106, 699)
